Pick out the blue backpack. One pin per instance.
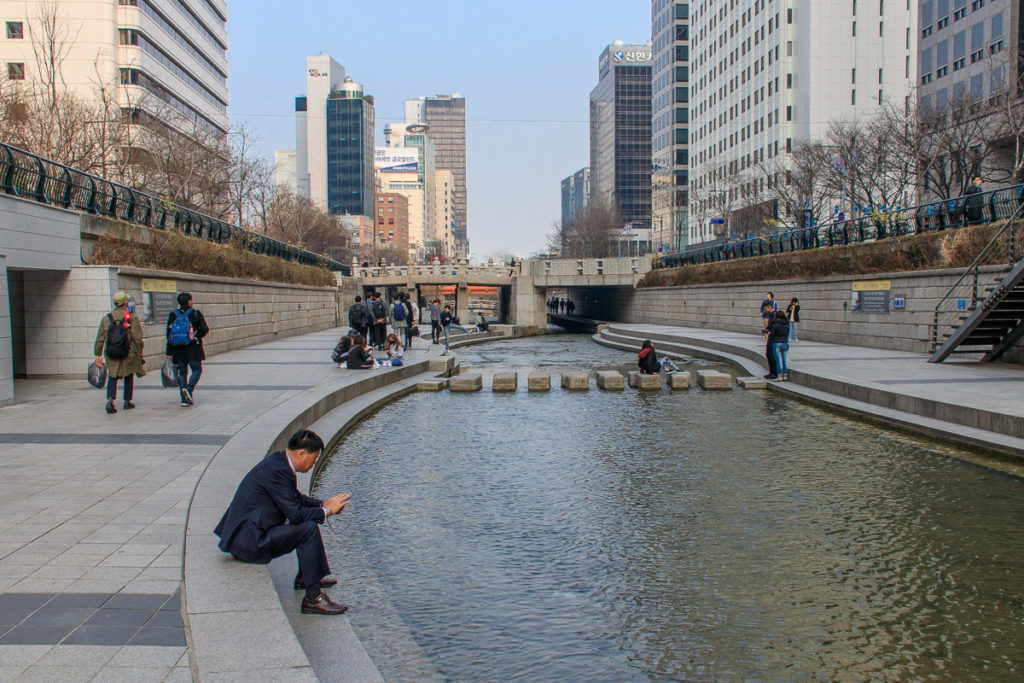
(399, 310)
(181, 333)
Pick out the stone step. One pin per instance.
(538, 382)
(609, 380)
(472, 382)
(576, 381)
(638, 380)
(432, 385)
(679, 380)
(752, 382)
(505, 381)
(713, 380)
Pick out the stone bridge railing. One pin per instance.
(594, 266)
(460, 271)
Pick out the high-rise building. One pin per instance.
(445, 115)
(167, 58)
(670, 111)
(443, 241)
(397, 171)
(969, 49)
(284, 169)
(769, 73)
(575, 193)
(620, 132)
(334, 136)
(393, 222)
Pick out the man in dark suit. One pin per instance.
(269, 517)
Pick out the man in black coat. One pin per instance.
(269, 517)
(190, 354)
(357, 317)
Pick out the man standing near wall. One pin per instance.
(358, 317)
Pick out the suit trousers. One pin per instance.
(308, 545)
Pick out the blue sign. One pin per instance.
(717, 221)
(961, 305)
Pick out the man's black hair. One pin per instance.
(184, 298)
(358, 298)
(306, 440)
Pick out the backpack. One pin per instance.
(357, 316)
(398, 310)
(181, 333)
(379, 311)
(118, 340)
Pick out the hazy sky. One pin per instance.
(526, 68)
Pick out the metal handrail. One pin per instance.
(938, 215)
(31, 176)
(974, 270)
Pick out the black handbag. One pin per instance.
(168, 374)
(414, 331)
(96, 373)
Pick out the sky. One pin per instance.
(525, 67)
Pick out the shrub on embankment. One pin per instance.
(929, 251)
(171, 250)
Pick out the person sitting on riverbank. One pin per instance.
(668, 365)
(395, 350)
(481, 323)
(647, 361)
(341, 350)
(359, 356)
(269, 517)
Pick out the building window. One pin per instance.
(128, 36)
(959, 14)
(855, 28)
(853, 97)
(942, 71)
(16, 71)
(996, 47)
(15, 30)
(977, 4)
(977, 56)
(959, 64)
(789, 81)
(926, 32)
(789, 15)
(789, 113)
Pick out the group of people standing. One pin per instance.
(557, 305)
(119, 347)
(779, 328)
(369, 320)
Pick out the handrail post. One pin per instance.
(40, 191)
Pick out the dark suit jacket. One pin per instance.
(267, 497)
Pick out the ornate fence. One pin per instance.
(946, 214)
(27, 175)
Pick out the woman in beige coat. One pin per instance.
(120, 368)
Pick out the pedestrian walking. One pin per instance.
(793, 313)
(186, 328)
(397, 316)
(412, 319)
(379, 326)
(119, 345)
(974, 204)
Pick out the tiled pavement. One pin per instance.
(93, 509)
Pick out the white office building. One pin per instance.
(164, 57)
(768, 73)
(323, 75)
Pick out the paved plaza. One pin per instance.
(93, 507)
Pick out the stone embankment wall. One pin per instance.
(62, 310)
(825, 308)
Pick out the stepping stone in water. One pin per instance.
(474, 382)
(609, 380)
(505, 381)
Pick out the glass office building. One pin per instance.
(620, 132)
(350, 149)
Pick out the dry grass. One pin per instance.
(930, 251)
(171, 250)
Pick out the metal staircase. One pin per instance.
(989, 325)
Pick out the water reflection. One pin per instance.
(668, 536)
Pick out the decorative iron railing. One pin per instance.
(28, 175)
(985, 207)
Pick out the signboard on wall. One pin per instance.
(396, 160)
(870, 296)
(161, 297)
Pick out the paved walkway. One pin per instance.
(93, 508)
(981, 404)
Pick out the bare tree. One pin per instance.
(593, 233)
(297, 221)
(1007, 105)
(52, 38)
(249, 178)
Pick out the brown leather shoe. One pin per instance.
(322, 604)
(324, 582)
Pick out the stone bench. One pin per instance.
(473, 382)
(505, 381)
(713, 380)
(639, 380)
(576, 381)
(609, 380)
(537, 382)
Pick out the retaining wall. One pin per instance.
(826, 314)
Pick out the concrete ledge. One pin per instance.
(432, 385)
(713, 380)
(609, 380)
(505, 381)
(474, 382)
(679, 380)
(238, 632)
(752, 382)
(537, 382)
(576, 381)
